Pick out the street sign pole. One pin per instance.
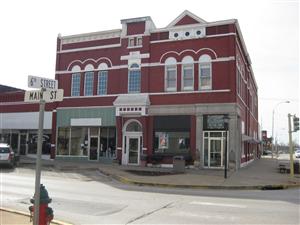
(38, 162)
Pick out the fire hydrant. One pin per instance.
(45, 213)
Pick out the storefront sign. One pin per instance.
(213, 122)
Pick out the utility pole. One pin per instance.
(291, 147)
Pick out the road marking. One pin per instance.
(218, 204)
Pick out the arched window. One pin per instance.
(102, 79)
(170, 74)
(187, 73)
(205, 73)
(75, 91)
(134, 79)
(88, 80)
(134, 127)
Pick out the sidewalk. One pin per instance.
(13, 217)
(260, 174)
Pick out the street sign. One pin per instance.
(40, 82)
(47, 96)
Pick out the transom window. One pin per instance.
(75, 84)
(187, 73)
(88, 83)
(102, 82)
(134, 127)
(134, 79)
(205, 74)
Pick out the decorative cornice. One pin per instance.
(91, 36)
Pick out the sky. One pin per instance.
(270, 29)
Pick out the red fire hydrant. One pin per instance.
(45, 213)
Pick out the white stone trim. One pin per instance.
(183, 14)
(91, 96)
(207, 24)
(100, 35)
(88, 59)
(222, 59)
(135, 55)
(188, 50)
(89, 48)
(84, 107)
(207, 36)
(190, 92)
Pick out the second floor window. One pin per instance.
(88, 83)
(134, 79)
(187, 73)
(102, 83)
(75, 84)
(205, 74)
(188, 77)
(171, 81)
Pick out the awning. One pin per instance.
(249, 139)
(132, 100)
(132, 104)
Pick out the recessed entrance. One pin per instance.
(132, 143)
(214, 145)
(133, 146)
(94, 146)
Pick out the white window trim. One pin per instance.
(129, 41)
(137, 41)
(170, 89)
(210, 75)
(99, 82)
(134, 69)
(188, 88)
(73, 74)
(85, 83)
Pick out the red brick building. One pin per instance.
(143, 94)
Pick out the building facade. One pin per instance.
(19, 122)
(142, 95)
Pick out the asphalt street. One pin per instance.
(88, 197)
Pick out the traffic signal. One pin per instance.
(296, 123)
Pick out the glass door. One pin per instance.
(94, 143)
(216, 153)
(133, 146)
(23, 143)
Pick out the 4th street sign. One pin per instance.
(40, 82)
(47, 96)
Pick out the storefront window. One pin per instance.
(172, 142)
(32, 143)
(108, 142)
(172, 134)
(63, 141)
(79, 141)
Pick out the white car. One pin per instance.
(297, 153)
(7, 156)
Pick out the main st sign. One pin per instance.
(47, 90)
(48, 96)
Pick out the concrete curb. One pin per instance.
(126, 180)
(57, 222)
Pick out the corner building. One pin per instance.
(143, 95)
